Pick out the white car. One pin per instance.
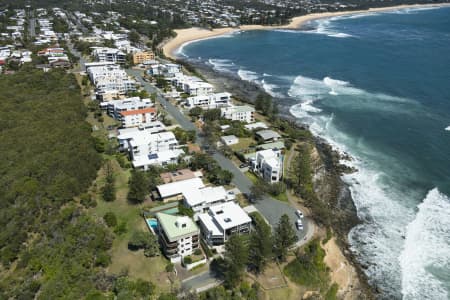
(299, 224)
(299, 214)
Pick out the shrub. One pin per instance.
(198, 251)
(187, 260)
(110, 219)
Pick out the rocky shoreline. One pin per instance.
(329, 169)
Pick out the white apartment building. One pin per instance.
(210, 101)
(200, 199)
(146, 148)
(110, 78)
(108, 54)
(268, 164)
(223, 220)
(115, 107)
(243, 113)
(137, 117)
(192, 85)
(178, 235)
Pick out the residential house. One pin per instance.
(268, 164)
(174, 191)
(223, 220)
(229, 140)
(180, 175)
(268, 135)
(201, 199)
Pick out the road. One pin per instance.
(32, 26)
(271, 209)
(201, 281)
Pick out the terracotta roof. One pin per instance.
(138, 111)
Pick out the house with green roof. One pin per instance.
(178, 235)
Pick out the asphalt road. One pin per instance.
(32, 28)
(199, 281)
(272, 209)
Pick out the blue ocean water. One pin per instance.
(376, 86)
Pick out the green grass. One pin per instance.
(282, 197)
(122, 259)
(332, 292)
(244, 144)
(309, 269)
(253, 178)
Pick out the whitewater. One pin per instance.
(373, 86)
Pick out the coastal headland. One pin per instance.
(193, 34)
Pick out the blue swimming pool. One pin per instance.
(153, 223)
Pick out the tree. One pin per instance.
(261, 244)
(285, 237)
(138, 187)
(110, 219)
(134, 37)
(212, 114)
(196, 112)
(235, 259)
(109, 190)
(144, 240)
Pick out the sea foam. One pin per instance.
(426, 252)
(248, 75)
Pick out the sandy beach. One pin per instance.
(193, 34)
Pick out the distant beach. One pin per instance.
(193, 34)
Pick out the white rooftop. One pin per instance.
(204, 195)
(178, 187)
(229, 215)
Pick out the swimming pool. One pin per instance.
(153, 223)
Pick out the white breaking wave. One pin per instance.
(270, 88)
(222, 65)
(378, 239)
(427, 246)
(447, 128)
(309, 91)
(325, 27)
(248, 75)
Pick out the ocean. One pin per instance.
(376, 86)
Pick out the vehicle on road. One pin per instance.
(299, 214)
(299, 224)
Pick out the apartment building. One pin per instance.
(268, 164)
(223, 220)
(210, 101)
(102, 54)
(243, 113)
(178, 236)
(143, 57)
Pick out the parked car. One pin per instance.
(299, 224)
(243, 166)
(299, 214)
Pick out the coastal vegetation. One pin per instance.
(49, 245)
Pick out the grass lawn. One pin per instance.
(244, 144)
(282, 197)
(252, 177)
(122, 259)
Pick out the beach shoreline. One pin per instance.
(188, 35)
